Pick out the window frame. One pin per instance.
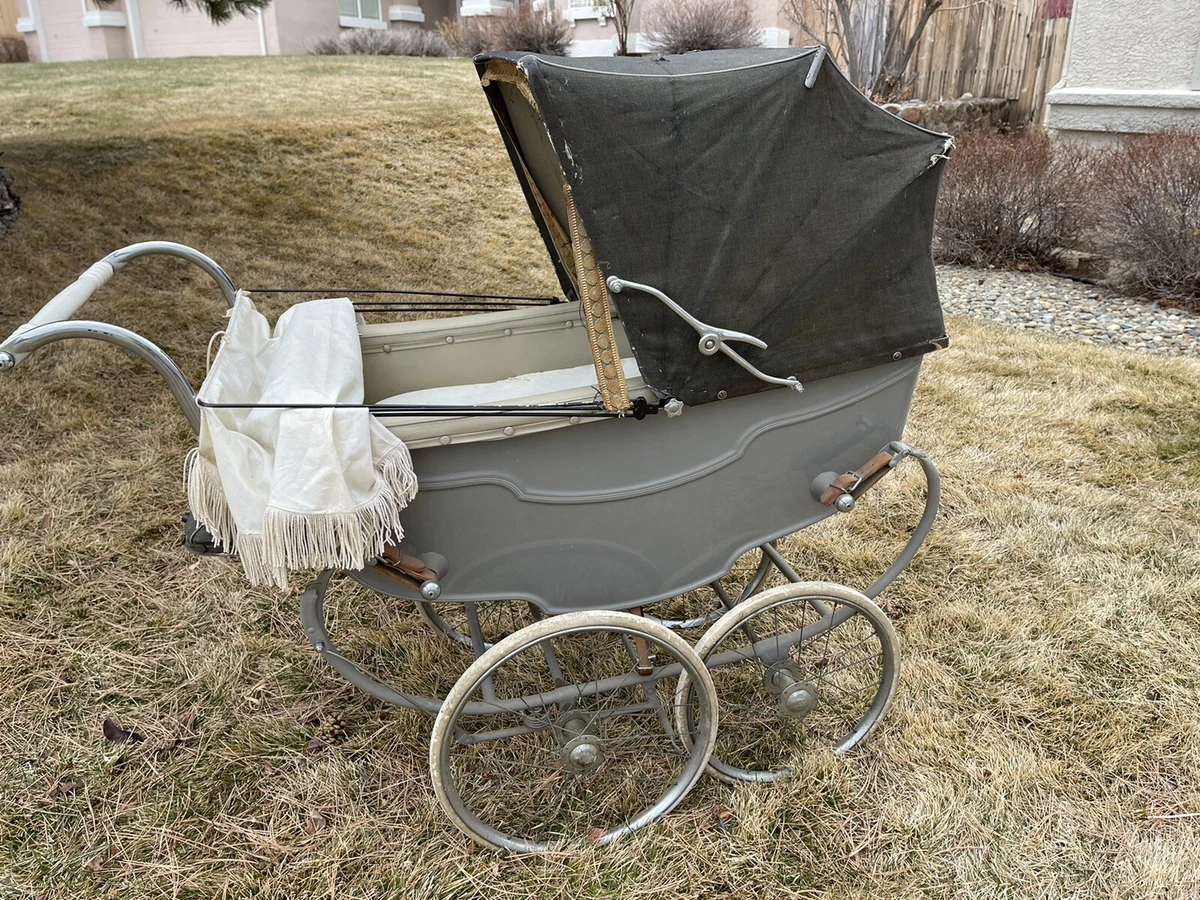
(358, 20)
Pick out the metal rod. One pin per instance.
(713, 339)
(29, 341)
(791, 575)
(440, 308)
(479, 646)
(815, 69)
(933, 497)
(400, 410)
(543, 301)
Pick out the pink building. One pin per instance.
(65, 30)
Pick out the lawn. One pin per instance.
(1045, 741)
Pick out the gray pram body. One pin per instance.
(622, 513)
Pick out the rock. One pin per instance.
(1041, 303)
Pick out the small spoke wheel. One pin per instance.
(496, 620)
(562, 734)
(798, 667)
(692, 613)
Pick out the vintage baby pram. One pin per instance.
(594, 459)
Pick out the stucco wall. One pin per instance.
(167, 31)
(66, 37)
(298, 23)
(1132, 67)
(437, 10)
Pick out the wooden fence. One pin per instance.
(995, 48)
(8, 17)
(989, 48)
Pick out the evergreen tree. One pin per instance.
(222, 10)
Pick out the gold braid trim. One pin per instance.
(579, 258)
(561, 242)
(597, 315)
(498, 70)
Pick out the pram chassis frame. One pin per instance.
(312, 615)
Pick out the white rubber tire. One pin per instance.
(784, 593)
(567, 623)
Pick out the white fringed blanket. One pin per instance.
(288, 489)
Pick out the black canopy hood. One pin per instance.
(801, 215)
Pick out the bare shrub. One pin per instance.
(1013, 200)
(874, 42)
(378, 42)
(680, 26)
(525, 29)
(534, 32)
(13, 49)
(469, 36)
(1148, 203)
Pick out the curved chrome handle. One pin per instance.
(31, 339)
(712, 339)
(68, 301)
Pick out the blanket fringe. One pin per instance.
(206, 497)
(292, 540)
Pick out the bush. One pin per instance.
(534, 32)
(13, 49)
(680, 26)
(377, 42)
(1148, 204)
(524, 29)
(1013, 200)
(469, 36)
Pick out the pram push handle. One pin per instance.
(68, 301)
(53, 321)
(27, 340)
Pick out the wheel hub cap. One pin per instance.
(583, 755)
(796, 698)
(799, 702)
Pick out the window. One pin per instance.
(587, 9)
(361, 14)
(359, 9)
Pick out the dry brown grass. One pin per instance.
(1045, 741)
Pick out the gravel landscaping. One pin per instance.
(1059, 306)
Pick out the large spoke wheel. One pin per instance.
(802, 666)
(563, 733)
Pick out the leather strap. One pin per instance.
(861, 479)
(395, 558)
